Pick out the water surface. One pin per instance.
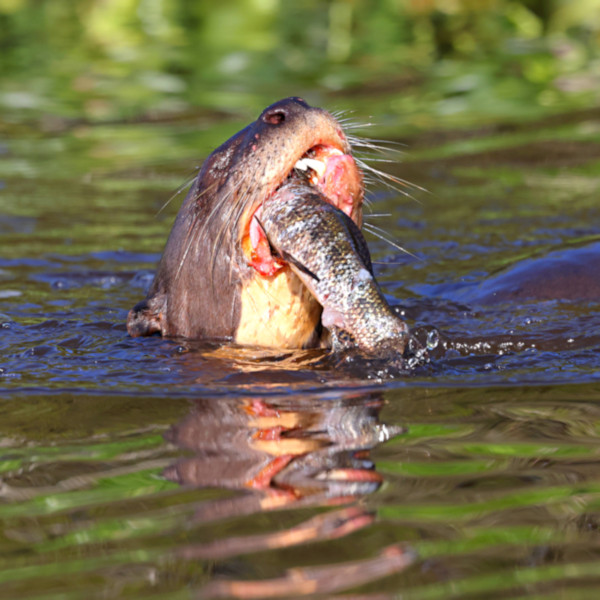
(136, 468)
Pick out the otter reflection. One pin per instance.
(285, 453)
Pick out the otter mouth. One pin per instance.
(328, 170)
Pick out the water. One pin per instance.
(137, 468)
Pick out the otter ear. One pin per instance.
(146, 317)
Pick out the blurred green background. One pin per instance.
(427, 63)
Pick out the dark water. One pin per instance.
(138, 468)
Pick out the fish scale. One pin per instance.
(327, 251)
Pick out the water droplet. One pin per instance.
(433, 339)
(413, 345)
(383, 434)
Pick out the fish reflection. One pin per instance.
(286, 453)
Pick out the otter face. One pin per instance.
(217, 277)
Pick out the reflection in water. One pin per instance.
(286, 453)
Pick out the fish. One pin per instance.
(325, 248)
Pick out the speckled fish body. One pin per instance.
(327, 251)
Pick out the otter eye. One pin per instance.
(274, 117)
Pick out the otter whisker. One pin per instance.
(368, 179)
(388, 263)
(200, 227)
(236, 204)
(341, 114)
(197, 227)
(367, 149)
(353, 123)
(374, 215)
(193, 235)
(371, 158)
(222, 234)
(378, 232)
(380, 143)
(374, 148)
(391, 181)
(184, 186)
(199, 193)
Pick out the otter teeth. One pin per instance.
(311, 163)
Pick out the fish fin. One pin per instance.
(286, 255)
(359, 242)
(289, 258)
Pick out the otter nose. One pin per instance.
(284, 109)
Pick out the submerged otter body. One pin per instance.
(217, 277)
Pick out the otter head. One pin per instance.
(217, 277)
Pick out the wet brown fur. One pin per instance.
(204, 287)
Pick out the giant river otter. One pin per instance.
(219, 276)
(237, 267)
